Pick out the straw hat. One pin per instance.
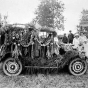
(76, 35)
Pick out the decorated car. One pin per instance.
(36, 48)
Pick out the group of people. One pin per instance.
(78, 40)
(68, 39)
(81, 43)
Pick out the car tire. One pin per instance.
(77, 67)
(12, 67)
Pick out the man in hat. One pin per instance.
(70, 37)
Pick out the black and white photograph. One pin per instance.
(43, 43)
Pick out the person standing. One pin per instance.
(65, 39)
(84, 42)
(76, 41)
(70, 37)
(82, 38)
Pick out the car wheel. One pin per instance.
(77, 67)
(12, 67)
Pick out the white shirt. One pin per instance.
(86, 48)
(76, 42)
(82, 39)
(55, 39)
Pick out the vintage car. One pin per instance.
(25, 47)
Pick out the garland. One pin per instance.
(29, 43)
(42, 44)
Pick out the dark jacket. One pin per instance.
(2, 40)
(65, 39)
(70, 38)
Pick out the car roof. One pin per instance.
(47, 29)
(15, 27)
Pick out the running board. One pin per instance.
(38, 67)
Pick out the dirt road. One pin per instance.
(63, 80)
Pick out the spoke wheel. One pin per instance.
(12, 67)
(77, 67)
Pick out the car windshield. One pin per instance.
(43, 34)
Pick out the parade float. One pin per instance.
(23, 47)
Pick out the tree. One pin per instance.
(3, 22)
(0, 21)
(50, 14)
(83, 25)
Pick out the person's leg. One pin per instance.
(41, 51)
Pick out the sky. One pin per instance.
(22, 11)
(72, 13)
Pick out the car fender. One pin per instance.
(69, 55)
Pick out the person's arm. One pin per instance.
(73, 41)
(67, 39)
(62, 39)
